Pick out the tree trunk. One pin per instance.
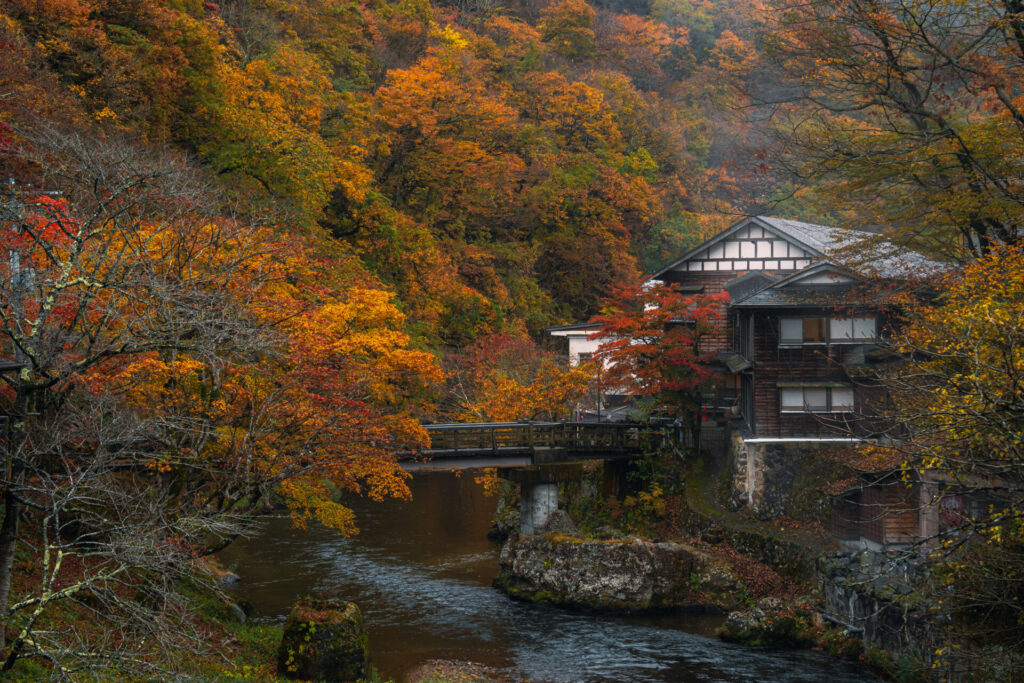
(8, 544)
(12, 506)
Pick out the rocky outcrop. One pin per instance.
(506, 517)
(624, 574)
(324, 640)
(775, 623)
(797, 623)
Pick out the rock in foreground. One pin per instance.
(324, 640)
(455, 671)
(631, 574)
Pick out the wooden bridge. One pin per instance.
(519, 444)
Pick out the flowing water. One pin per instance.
(421, 571)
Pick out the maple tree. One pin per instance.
(654, 348)
(212, 364)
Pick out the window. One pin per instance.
(842, 400)
(864, 328)
(802, 330)
(816, 399)
(794, 331)
(580, 358)
(792, 400)
(841, 330)
(814, 330)
(851, 329)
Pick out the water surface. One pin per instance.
(421, 572)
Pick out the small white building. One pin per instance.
(581, 347)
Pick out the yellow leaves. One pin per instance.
(289, 84)
(441, 96)
(270, 124)
(105, 116)
(451, 38)
(308, 499)
(148, 383)
(553, 392)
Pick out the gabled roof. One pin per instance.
(879, 256)
(797, 290)
(743, 286)
(822, 273)
(821, 238)
(814, 238)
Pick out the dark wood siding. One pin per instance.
(886, 512)
(811, 364)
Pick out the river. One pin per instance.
(421, 571)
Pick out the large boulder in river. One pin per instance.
(324, 640)
(625, 574)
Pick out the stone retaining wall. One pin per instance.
(786, 557)
(774, 479)
(873, 593)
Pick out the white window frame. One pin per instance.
(824, 400)
(837, 331)
(858, 330)
(792, 336)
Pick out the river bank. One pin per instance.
(701, 559)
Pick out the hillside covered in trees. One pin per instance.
(247, 243)
(249, 246)
(497, 168)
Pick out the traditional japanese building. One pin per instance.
(801, 335)
(799, 327)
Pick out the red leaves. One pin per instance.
(654, 334)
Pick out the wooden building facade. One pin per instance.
(798, 334)
(796, 357)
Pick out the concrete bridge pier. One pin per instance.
(539, 492)
(536, 504)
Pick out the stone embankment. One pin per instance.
(615, 574)
(875, 595)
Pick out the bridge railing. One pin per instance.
(501, 437)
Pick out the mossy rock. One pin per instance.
(324, 640)
(780, 627)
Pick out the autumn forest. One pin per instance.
(251, 245)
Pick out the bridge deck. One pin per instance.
(517, 444)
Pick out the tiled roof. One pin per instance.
(865, 252)
(820, 237)
(796, 296)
